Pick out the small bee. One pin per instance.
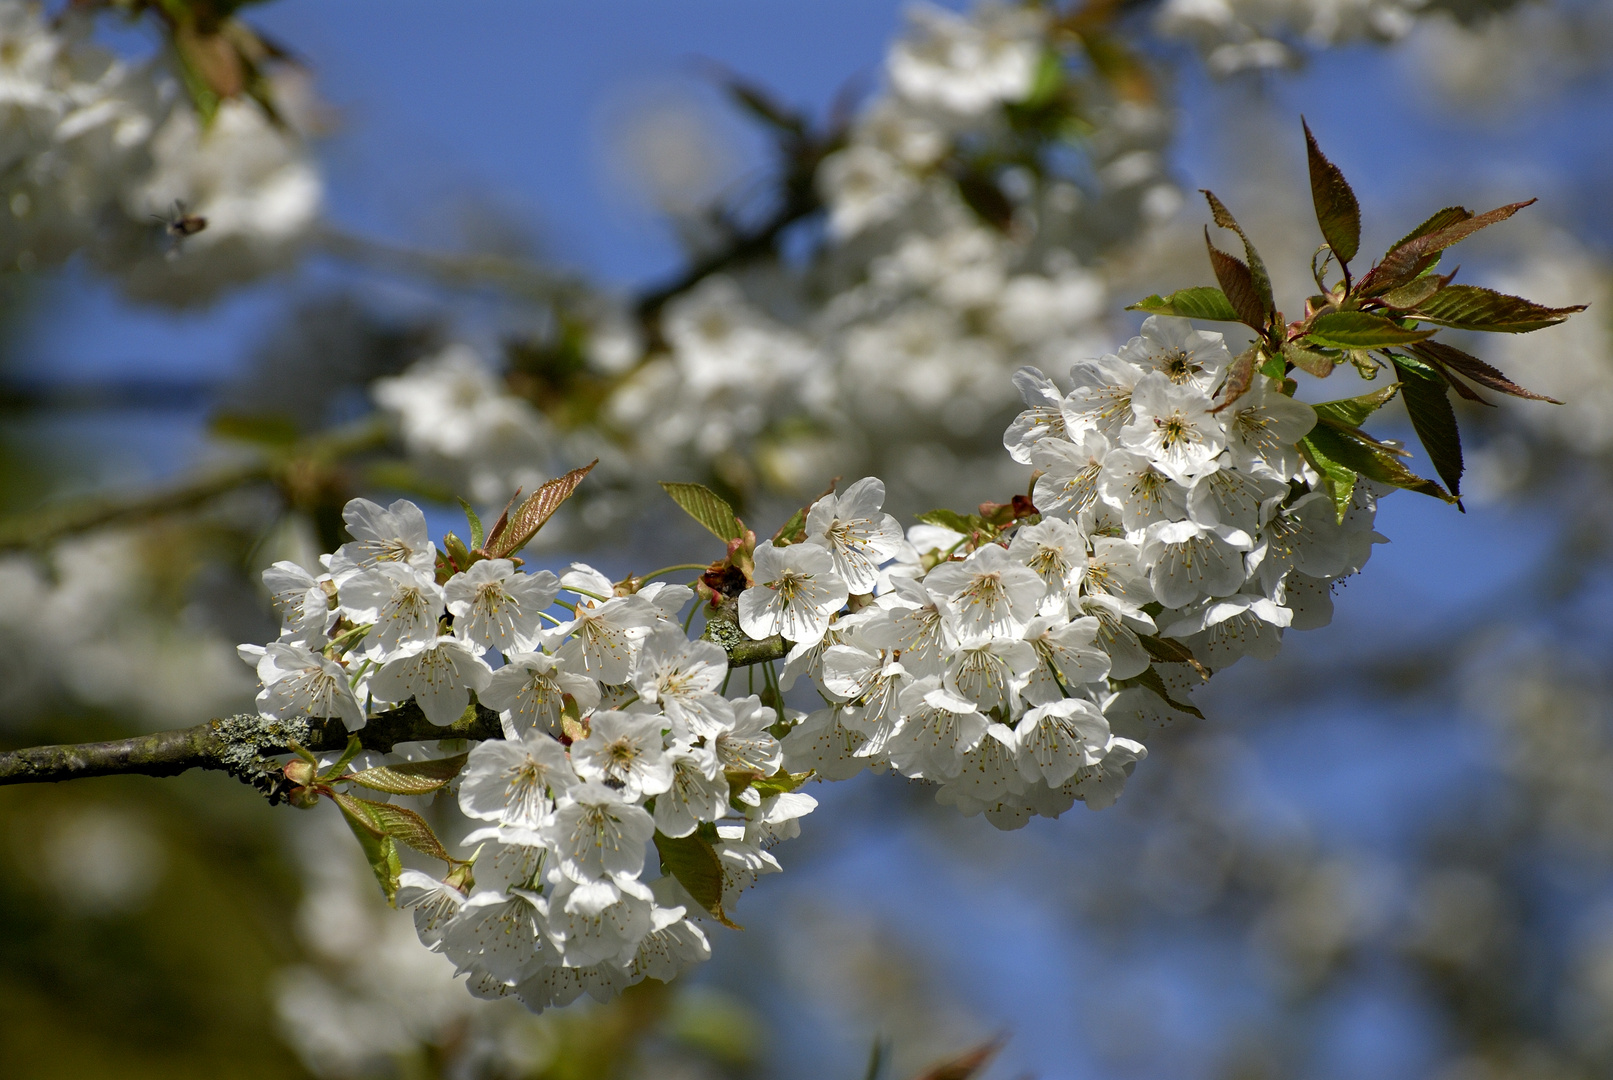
(180, 224)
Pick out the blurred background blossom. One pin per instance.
(460, 251)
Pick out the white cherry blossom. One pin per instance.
(402, 601)
(529, 693)
(1185, 356)
(796, 591)
(396, 533)
(596, 833)
(515, 781)
(988, 594)
(856, 531)
(300, 682)
(439, 675)
(626, 751)
(1174, 426)
(498, 608)
(683, 677)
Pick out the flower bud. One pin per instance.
(300, 772)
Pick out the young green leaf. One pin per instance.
(1469, 307)
(1337, 211)
(1438, 220)
(1200, 302)
(951, 519)
(1150, 680)
(1448, 358)
(780, 783)
(1240, 376)
(411, 777)
(353, 749)
(1360, 330)
(1170, 651)
(1416, 291)
(1308, 360)
(403, 824)
(1338, 479)
(1238, 285)
(476, 534)
(1410, 258)
(1434, 420)
(792, 531)
(379, 850)
(706, 507)
(692, 861)
(535, 512)
(1353, 412)
(1257, 268)
(1371, 459)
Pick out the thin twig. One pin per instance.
(52, 522)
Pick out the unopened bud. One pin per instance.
(300, 772)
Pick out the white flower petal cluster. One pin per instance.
(1241, 35)
(615, 727)
(94, 148)
(996, 669)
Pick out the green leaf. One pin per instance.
(951, 519)
(1434, 420)
(1308, 360)
(1200, 302)
(1448, 358)
(1353, 412)
(1257, 268)
(694, 863)
(401, 823)
(514, 532)
(1170, 651)
(411, 777)
(379, 850)
(476, 533)
(1420, 250)
(706, 507)
(263, 429)
(1440, 219)
(1240, 376)
(1417, 290)
(1339, 480)
(353, 749)
(1150, 680)
(780, 783)
(1337, 211)
(1238, 286)
(1360, 330)
(792, 531)
(1358, 452)
(1469, 307)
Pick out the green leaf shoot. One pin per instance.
(706, 507)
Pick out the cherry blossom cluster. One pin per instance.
(908, 321)
(994, 656)
(615, 731)
(97, 148)
(998, 666)
(1241, 35)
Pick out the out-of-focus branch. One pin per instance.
(54, 522)
(744, 245)
(514, 275)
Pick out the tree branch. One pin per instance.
(241, 745)
(55, 521)
(246, 744)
